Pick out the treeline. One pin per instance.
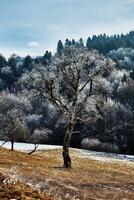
(103, 43)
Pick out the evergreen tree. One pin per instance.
(67, 43)
(73, 42)
(37, 60)
(12, 64)
(124, 78)
(88, 43)
(60, 47)
(3, 62)
(27, 62)
(81, 42)
(48, 55)
(46, 59)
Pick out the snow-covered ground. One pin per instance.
(101, 156)
(106, 157)
(27, 146)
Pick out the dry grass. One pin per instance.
(88, 179)
(12, 189)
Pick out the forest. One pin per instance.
(81, 96)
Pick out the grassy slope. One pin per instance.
(88, 179)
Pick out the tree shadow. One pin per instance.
(62, 168)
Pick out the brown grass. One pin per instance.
(11, 189)
(88, 179)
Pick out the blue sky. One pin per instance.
(32, 26)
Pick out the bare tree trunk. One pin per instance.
(3, 143)
(12, 145)
(35, 147)
(66, 142)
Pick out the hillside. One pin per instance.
(41, 94)
(44, 174)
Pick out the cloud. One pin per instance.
(35, 31)
(33, 44)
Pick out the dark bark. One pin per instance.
(12, 145)
(66, 142)
(3, 143)
(35, 147)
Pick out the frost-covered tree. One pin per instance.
(12, 117)
(124, 57)
(116, 115)
(71, 84)
(33, 121)
(15, 127)
(38, 136)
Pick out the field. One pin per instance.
(41, 176)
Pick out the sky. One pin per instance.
(34, 26)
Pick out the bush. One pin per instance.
(96, 145)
